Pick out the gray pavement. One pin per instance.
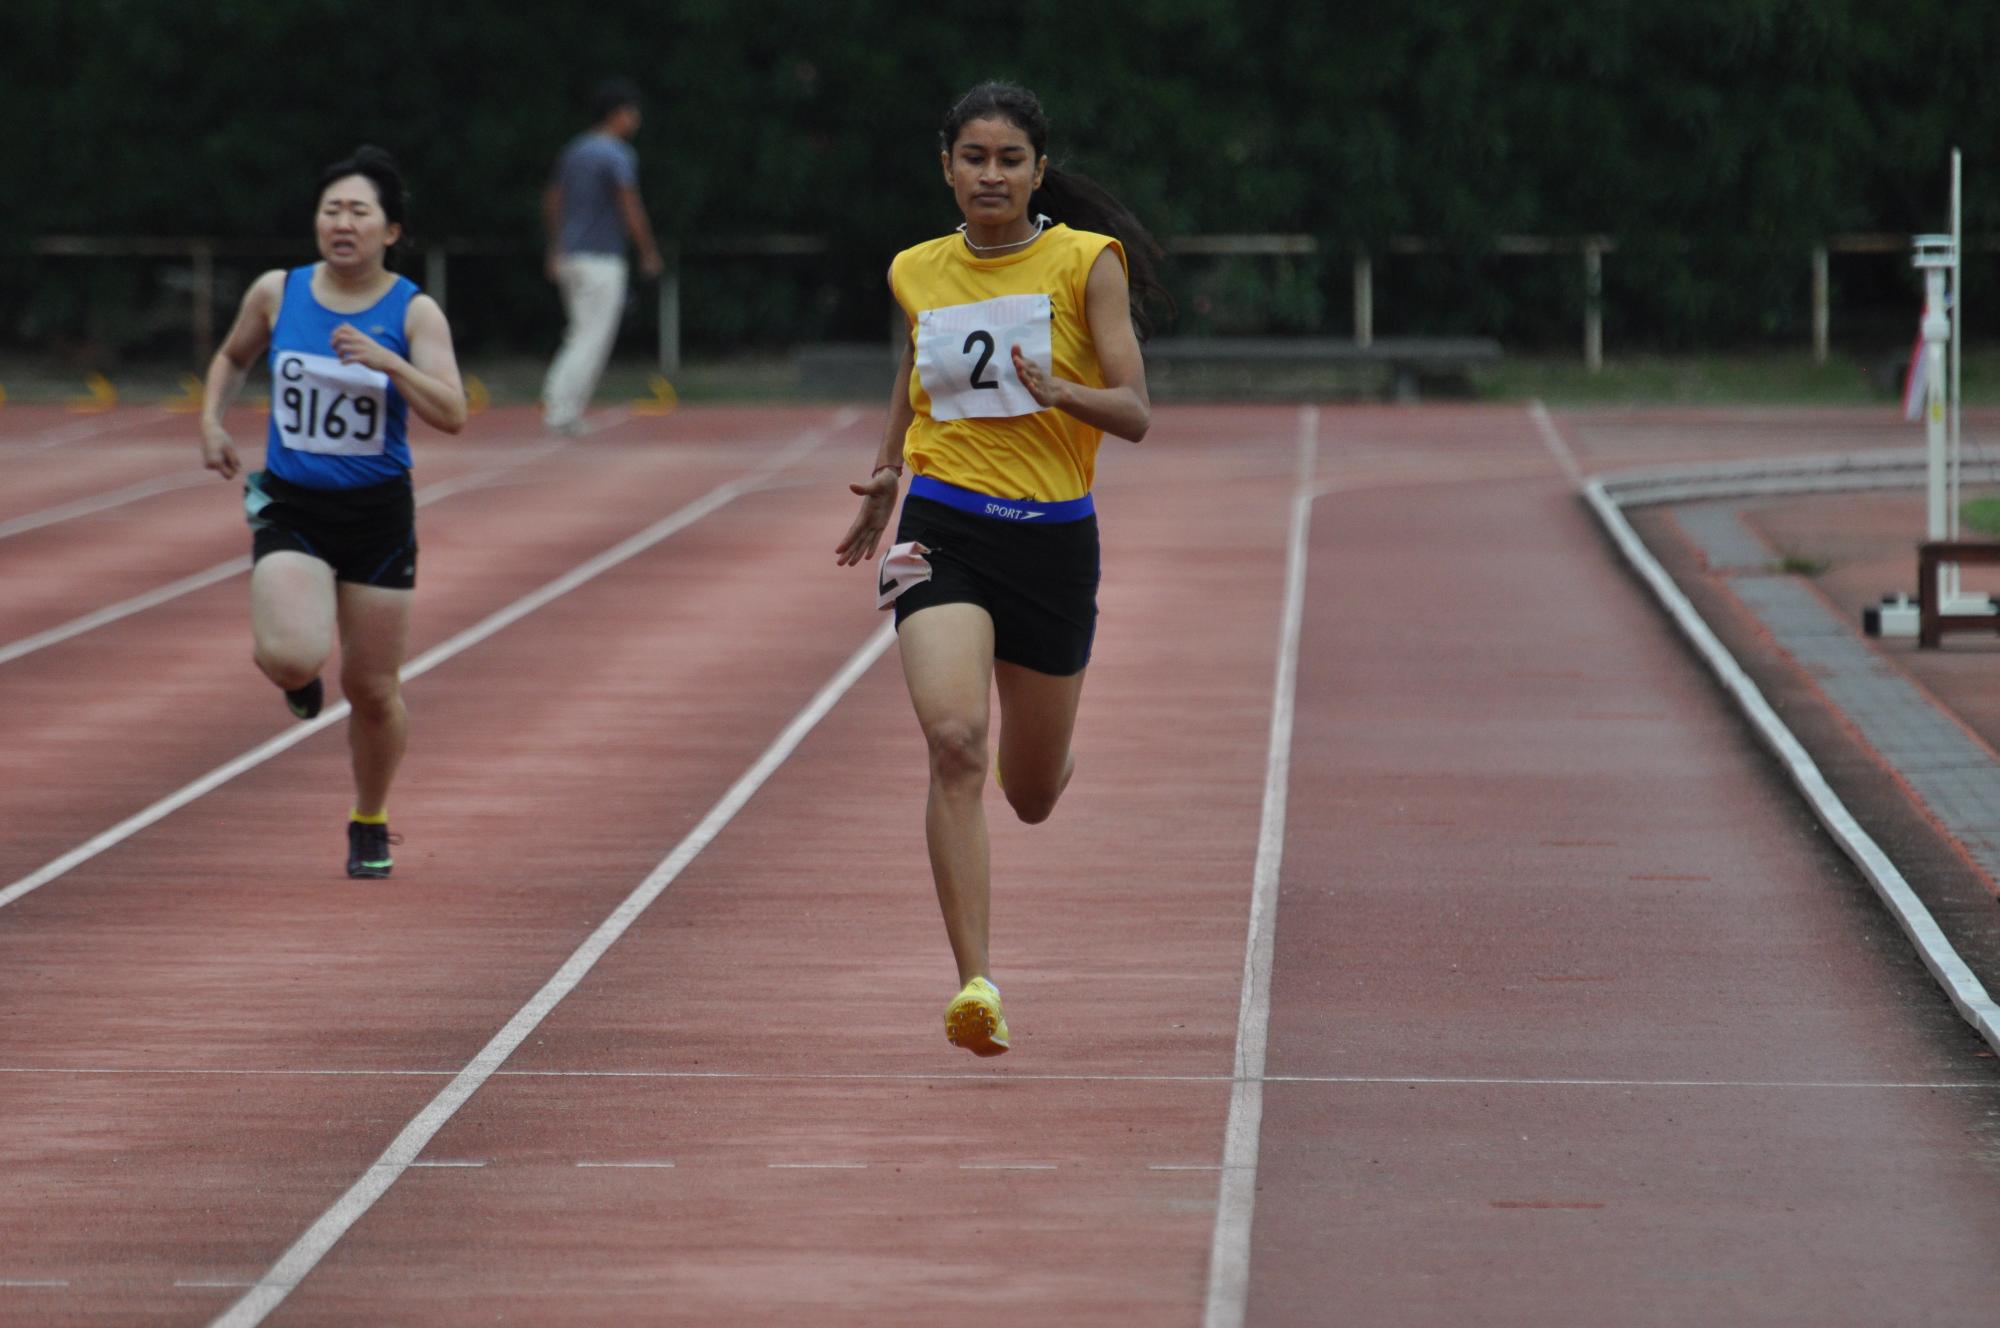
(1953, 774)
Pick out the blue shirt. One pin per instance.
(591, 171)
(334, 425)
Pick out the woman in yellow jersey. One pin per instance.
(1023, 352)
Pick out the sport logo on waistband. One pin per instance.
(1011, 513)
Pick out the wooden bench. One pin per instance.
(1932, 621)
(1406, 363)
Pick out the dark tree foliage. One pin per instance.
(1716, 140)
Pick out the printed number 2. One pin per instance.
(985, 341)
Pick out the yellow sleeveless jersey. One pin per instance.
(976, 426)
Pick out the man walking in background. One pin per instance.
(590, 209)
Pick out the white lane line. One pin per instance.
(195, 1284)
(817, 1166)
(46, 1283)
(1183, 1166)
(103, 502)
(97, 426)
(1006, 1166)
(441, 1163)
(1229, 1253)
(970, 1077)
(111, 613)
(312, 1246)
(717, 497)
(1553, 440)
(1960, 983)
(222, 571)
(628, 1166)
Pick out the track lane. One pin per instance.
(806, 939)
(78, 718)
(1566, 979)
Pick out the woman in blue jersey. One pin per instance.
(1023, 352)
(353, 348)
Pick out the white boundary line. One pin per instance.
(103, 502)
(124, 608)
(950, 1077)
(98, 424)
(306, 1252)
(1952, 973)
(717, 497)
(1229, 1253)
(222, 571)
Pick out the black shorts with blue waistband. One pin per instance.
(1032, 566)
(367, 535)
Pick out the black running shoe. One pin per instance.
(368, 850)
(306, 701)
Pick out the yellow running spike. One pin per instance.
(973, 1019)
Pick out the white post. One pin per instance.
(1593, 306)
(670, 312)
(1937, 334)
(1822, 316)
(434, 265)
(1956, 313)
(1935, 255)
(1364, 301)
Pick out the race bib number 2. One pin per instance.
(965, 356)
(321, 405)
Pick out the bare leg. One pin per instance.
(948, 665)
(291, 617)
(374, 632)
(1037, 718)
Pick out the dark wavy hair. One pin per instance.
(1068, 197)
(380, 170)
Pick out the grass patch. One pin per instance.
(1980, 514)
(1793, 564)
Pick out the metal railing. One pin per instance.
(201, 253)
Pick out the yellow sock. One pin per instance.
(379, 818)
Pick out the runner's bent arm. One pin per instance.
(429, 379)
(249, 336)
(1122, 406)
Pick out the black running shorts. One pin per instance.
(1039, 583)
(367, 535)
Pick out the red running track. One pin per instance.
(1527, 848)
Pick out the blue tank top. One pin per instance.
(334, 425)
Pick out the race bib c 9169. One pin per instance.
(322, 405)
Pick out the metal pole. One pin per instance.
(203, 256)
(1364, 300)
(670, 311)
(1822, 316)
(1937, 332)
(434, 273)
(1593, 306)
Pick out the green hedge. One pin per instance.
(1718, 139)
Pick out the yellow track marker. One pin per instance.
(663, 401)
(476, 397)
(103, 396)
(189, 401)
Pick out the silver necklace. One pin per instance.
(1042, 223)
